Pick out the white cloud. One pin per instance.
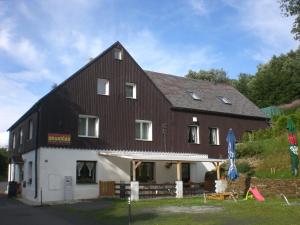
(151, 54)
(263, 19)
(199, 6)
(15, 99)
(4, 139)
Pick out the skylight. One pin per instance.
(194, 95)
(225, 100)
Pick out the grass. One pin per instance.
(274, 153)
(272, 211)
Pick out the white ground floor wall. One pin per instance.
(54, 164)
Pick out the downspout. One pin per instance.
(36, 154)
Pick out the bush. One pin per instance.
(248, 149)
(245, 168)
(3, 163)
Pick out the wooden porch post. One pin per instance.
(135, 164)
(217, 165)
(178, 166)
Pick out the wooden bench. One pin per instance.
(222, 196)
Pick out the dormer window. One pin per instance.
(194, 95)
(225, 100)
(118, 54)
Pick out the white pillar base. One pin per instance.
(221, 186)
(179, 189)
(134, 193)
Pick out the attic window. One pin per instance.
(194, 95)
(118, 54)
(225, 100)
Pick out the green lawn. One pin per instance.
(272, 211)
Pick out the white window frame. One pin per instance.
(118, 54)
(133, 85)
(87, 126)
(106, 91)
(141, 130)
(218, 136)
(30, 129)
(198, 134)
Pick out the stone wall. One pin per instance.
(267, 187)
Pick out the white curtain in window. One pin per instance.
(90, 166)
(79, 167)
(214, 136)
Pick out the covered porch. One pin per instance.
(179, 185)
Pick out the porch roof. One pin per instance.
(160, 156)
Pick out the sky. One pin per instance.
(44, 42)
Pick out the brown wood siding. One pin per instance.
(116, 113)
(205, 121)
(27, 144)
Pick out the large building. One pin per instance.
(114, 121)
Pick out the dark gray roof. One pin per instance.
(177, 91)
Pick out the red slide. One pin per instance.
(256, 194)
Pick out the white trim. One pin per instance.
(133, 85)
(87, 126)
(149, 130)
(159, 156)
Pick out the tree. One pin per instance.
(292, 8)
(213, 75)
(277, 81)
(3, 163)
(243, 84)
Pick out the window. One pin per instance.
(143, 130)
(185, 171)
(214, 136)
(224, 100)
(21, 136)
(88, 126)
(193, 134)
(103, 87)
(194, 95)
(130, 90)
(14, 140)
(30, 129)
(86, 172)
(118, 54)
(29, 175)
(145, 172)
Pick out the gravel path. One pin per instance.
(185, 209)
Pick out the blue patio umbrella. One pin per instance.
(232, 171)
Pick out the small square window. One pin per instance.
(103, 87)
(193, 134)
(214, 136)
(30, 129)
(88, 126)
(21, 136)
(118, 54)
(130, 90)
(14, 140)
(143, 130)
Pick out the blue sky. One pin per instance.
(44, 42)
